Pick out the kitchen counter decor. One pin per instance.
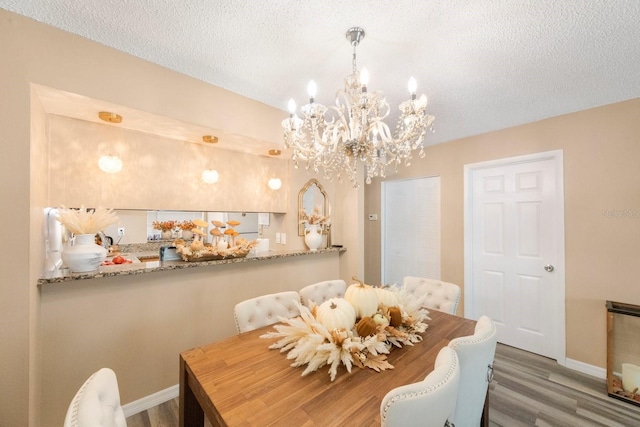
(84, 255)
(315, 223)
(166, 228)
(198, 251)
(187, 229)
(319, 337)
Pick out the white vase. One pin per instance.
(167, 235)
(187, 234)
(85, 255)
(313, 237)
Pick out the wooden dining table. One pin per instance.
(239, 381)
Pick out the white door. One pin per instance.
(516, 251)
(410, 229)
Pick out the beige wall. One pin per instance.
(157, 173)
(137, 325)
(37, 376)
(601, 154)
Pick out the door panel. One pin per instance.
(513, 230)
(493, 288)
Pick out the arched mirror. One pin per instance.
(312, 196)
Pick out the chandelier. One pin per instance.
(335, 138)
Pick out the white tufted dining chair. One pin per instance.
(322, 291)
(97, 403)
(264, 310)
(428, 403)
(476, 353)
(438, 295)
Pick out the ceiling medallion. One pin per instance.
(335, 138)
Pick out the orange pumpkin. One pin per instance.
(396, 316)
(366, 326)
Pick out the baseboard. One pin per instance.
(594, 371)
(150, 401)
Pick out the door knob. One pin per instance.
(549, 268)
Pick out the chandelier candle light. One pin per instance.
(335, 138)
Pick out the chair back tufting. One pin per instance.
(323, 291)
(428, 403)
(265, 310)
(438, 295)
(97, 403)
(476, 353)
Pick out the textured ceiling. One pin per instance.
(484, 64)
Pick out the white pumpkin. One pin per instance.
(380, 319)
(363, 298)
(336, 313)
(387, 297)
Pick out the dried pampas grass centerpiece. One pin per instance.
(313, 341)
(86, 221)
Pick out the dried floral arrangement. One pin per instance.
(219, 248)
(86, 221)
(313, 218)
(186, 225)
(315, 338)
(619, 390)
(164, 225)
(200, 251)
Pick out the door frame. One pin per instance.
(559, 264)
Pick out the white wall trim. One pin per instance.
(150, 401)
(594, 371)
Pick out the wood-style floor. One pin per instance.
(527, 390)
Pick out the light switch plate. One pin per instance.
(277, 237)
(283, 238)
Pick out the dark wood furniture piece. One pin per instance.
(240, 381)
(623, 352)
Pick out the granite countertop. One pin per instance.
(138, 266)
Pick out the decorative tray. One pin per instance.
(213, 256)
(199, 251)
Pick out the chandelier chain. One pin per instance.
(353, 60)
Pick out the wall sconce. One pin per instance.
(275, 183)
(110, 164)
(210, 176)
